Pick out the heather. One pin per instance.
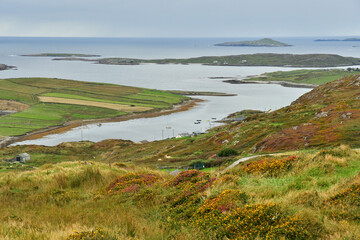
(317, 197)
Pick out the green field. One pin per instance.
(308, 76)
(41, 115)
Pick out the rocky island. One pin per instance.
(265, 42)
(6, 67)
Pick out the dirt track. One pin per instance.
(119, 107)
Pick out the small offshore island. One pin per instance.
(6, 67)
(265, 42)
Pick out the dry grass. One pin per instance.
(13, 105)
(119, 107)
(53, 200)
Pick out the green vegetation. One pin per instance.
(265, 42)
(298, 195)
(307, 76)
(264, 59)
(259, 59)
(226, 152)
(44, 114)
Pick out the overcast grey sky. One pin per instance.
(179, 18)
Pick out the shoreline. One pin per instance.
(282, 83)
(184, 106)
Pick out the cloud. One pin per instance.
(189, 18)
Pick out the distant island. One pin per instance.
(60, 55)
(338, 40)
(265, 42)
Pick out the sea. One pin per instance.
(194, 77)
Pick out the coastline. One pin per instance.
(184, 106)
(282, 83)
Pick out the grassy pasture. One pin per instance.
(42, 115)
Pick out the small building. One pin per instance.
(198, 165)
(185, 134)
(22, 158)
(197, 133)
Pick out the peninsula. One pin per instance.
(265, 42)
(33, 105)
(304, 78)
(259, 59)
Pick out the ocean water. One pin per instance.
(165, 77)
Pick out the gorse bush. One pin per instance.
(211, 213)
(267, 221)
(346, 203)
(188, 194)
(349, 196)
(131, 182)
(271, 167)
(226, 216)
(190, 176)
(226, 152)
(97, 234)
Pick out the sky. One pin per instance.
(179, 18)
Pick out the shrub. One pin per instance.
(212, 211)
(190, 187)
(346, 203)
(272, 167)
(226, 152)
(97, 234)
(267, 221)
(131, 182)
(190, 176)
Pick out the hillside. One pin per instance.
(297, 195)
(264, 42)
(327, 116)
(310, 190)
(299, 78)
